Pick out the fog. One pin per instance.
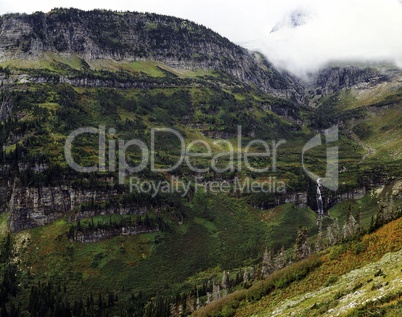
(363, 31)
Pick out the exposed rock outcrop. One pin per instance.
(101, 234)
(31, 207)
(136, 36)
(333, 79)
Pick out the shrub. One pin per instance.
(336, 251)
(359, 247)
(278, 280)
(332, 280)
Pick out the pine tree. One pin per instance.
(225, 283)
(349, 229)
(301, 247)
(358, 224)
(319, 244)
(280, 259)
(334, 233)
(371, 227)
(381, 215)
(268, 266)
(216, 292)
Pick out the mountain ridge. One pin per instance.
(178, 43)
(164, 255)
(100, 34)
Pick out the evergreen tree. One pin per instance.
(225, 283)
(301, 247)
(381, 215)
(268, 265)
(371, 227)
(358, 224)
(280, 259)
(319, 244)
(334, 233)
(349, 229)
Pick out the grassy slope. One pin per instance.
(381, 126)
(218, 232)
(51, 61)
(343, 279)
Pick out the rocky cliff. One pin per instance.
(333, 79)
(128, 36)
(137, 36)
(31, 207)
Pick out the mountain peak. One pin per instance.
(294, 19)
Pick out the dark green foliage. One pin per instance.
(283, 278)
(358, 247)
(193, 234)
(8, 273)
(332, 280)
(301, 247)
(328, 114)
(362, 130)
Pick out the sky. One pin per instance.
(326, 30)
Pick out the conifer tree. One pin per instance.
(280, 259)
(268, 265)
(301, 247)
(319, 244)
(349, 229)
(225, 283)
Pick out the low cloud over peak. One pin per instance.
(294, 19)
(315, 33)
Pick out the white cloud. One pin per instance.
(342, 30)
(361, 30)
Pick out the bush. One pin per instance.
(336, 251)
(278, 280)
(359, 247)
(332, 280)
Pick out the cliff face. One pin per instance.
(333, 79)
(128, 37)
(178, 43)
(136, 36)
(30, 207)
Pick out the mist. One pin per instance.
(312, 34)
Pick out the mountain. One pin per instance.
(135, 36)
(293, 20)
(151, 242)
(359, 277)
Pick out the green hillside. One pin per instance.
(107, 243)
(357, 277)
